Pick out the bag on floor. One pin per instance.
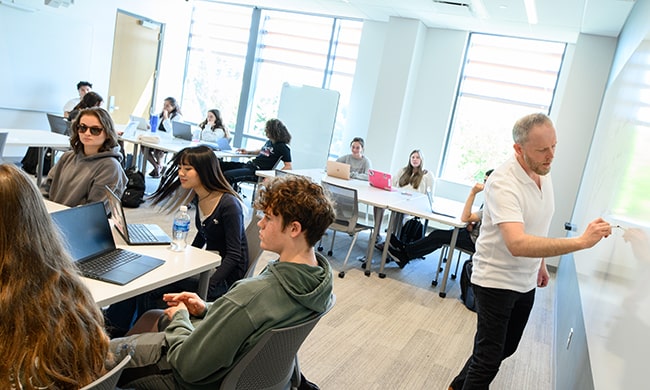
(466, 291)
(411, 231)
(30, 161)
(133, 195)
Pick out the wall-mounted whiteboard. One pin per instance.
(44, 55)
(309, 113)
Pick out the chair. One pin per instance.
(3, 142)
(443, 259)
(254, 250)
(109, 380)
(272, 364)
(254, 179)
(347, 216)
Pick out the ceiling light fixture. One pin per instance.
(13, 4)
(531, 11)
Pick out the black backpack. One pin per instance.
(30, 161)
(411, 231)
(134, 193)
(466, 291)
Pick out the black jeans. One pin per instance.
(502, 317)
(436, 239)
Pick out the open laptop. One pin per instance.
(182, 130)
(222, 144)
(134, 233)
(338, 169)
(88, 236)
(433, 208)
(58, 124)
(142, 123)
(380, 179)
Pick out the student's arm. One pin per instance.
(108, 174)
(468, 215)
(286, 166)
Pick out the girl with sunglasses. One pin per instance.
(80, 174)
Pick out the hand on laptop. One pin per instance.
(184, 301)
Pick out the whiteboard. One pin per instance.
(309, 113)
(44, 55)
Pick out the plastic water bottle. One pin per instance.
(180, 228)
(153, 123)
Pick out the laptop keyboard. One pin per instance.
(140, 233)
(100, 265)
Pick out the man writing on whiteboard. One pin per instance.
(510, 252)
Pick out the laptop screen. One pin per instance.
(380, 179)
(85, 230)
(117, 212)
(182, 130)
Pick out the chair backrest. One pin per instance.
(346, 204)
(269, 365)
(3, 142)
(109, 380)
(58, 124)
(254, 250)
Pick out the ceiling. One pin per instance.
(560, 20)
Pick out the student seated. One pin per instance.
(359, 164)
(212, 127)
(466, 239)
(194, 176)
(91, 99)
(80, 174)
(171, 112)
(276, 148)
(201, 341)
(52, 330)
(413, 176)
(83, 87)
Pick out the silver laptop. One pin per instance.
(182, 130)
(88, 236)
(433, 208)
(338, 169)
(134, 233)
(142, 123)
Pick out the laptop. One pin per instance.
(338, 169)
(142, 123)
(58, 124)
(88, 236)
(433, 208)
(222, 144)
(380, 179)
(182, 130)
(134, 233)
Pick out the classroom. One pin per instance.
(403, 96)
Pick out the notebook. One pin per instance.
(338, 169)
(90, 242)
(432, 206)
(134, 233)
(182, 130)
(380, 179)
(142, 123)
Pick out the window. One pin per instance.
(503, 79)
(288, 47)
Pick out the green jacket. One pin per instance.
(202, 351)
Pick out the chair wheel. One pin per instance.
(329, 253)
(434, 282)
(440, 269)
(320, 248)
(367, 273)
(442, 294)
(382, 276)
(342, 274)
(453, 276)
(363, 265)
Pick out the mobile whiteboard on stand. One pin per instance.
(309, 113)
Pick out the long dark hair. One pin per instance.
(170, 194)
(218, 124)
(276, 131)
(175, 111)
(91, 99)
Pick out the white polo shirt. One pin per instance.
(511, 196)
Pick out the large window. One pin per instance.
(242, 73)
(503, 79)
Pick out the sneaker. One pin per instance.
(396, 243)
(401, 258)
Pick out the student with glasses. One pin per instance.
(80, 174)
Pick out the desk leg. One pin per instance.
(378, 213)
(39, 166)
(452, 247)
(204, 280)
(392, 222)
(143, 163)
(134, 159)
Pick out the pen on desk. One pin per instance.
(617, 226)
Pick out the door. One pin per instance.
(136, 52)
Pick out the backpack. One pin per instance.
(411, 231)
(134, 193)
(466, 291)
(30, 161)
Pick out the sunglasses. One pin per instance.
(93, 130)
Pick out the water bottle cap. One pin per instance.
(183, 208)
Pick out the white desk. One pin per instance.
(419, 207)
(40, 139)
(178, 265)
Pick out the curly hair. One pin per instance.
(413, 175)
(276, 131)
(297, 198)
(52, 331)
(107, 124)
